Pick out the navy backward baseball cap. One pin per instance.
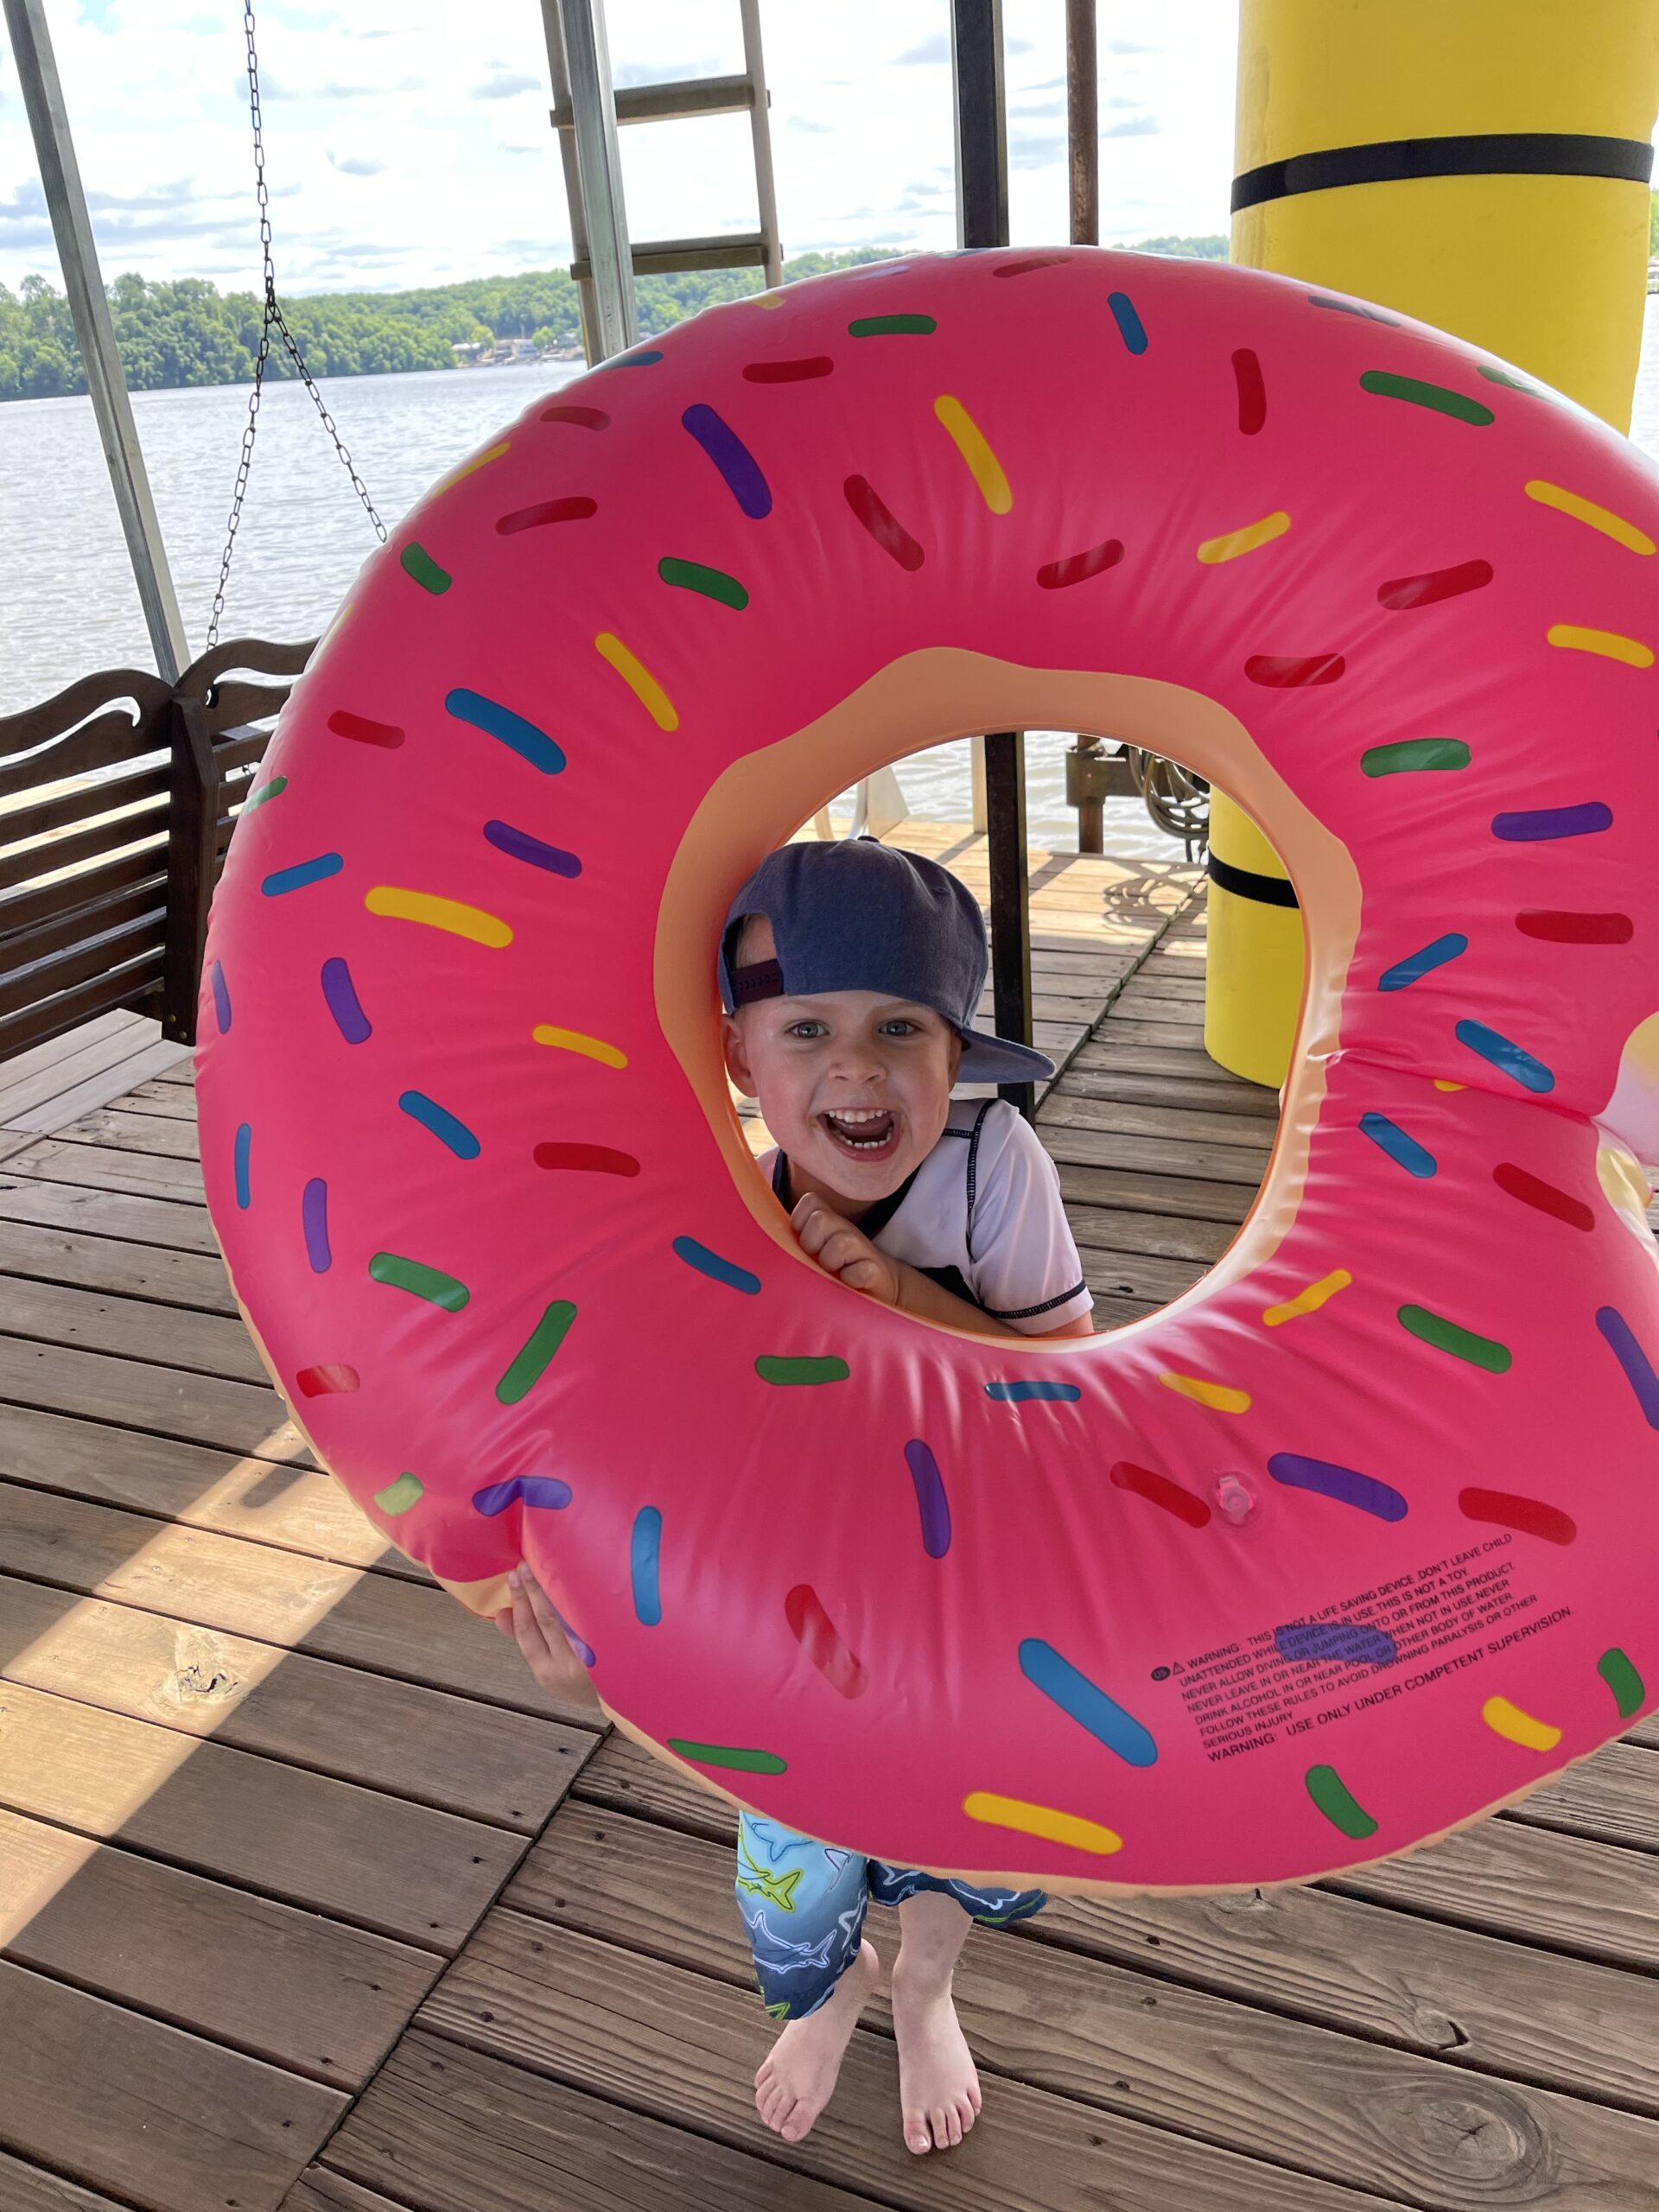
(860, 916)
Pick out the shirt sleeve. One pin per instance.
(1023, 1264)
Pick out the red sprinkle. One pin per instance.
(597, 1158)
(1435, 584)
(814, 365)
(1031, 261)
(1159, 1489)
(1282, 674)
(1078, 568)
(821, 1640)
(346, 724)
(1516, 1183)
(1252, 392)
(882, 524)
(325, 1381)
(586, 418)
(576, 509)
(1529, 1515)
(1561, 928)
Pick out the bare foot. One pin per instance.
(797, 2078)
(938, 2088)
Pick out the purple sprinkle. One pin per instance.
(1342, 1484)
(578, 1645)
(544, 1492)
(314, 1211)
(1638, 1369)
(1539, 823)
(221, 999)
(736, 464)
(1354, 1643)
(931, 1500)
(338, 989)
(521, 846)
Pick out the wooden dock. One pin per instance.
(310, 1899)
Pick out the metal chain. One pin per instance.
(273, 319)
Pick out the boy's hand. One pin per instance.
(534, 1627)
(842, 1251)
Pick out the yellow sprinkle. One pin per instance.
(1609, 525)
(639, 680)
(449, 914)
(1441, 1084)
(770, 300)
(1235, 542)
(1040, 1819)
(971, 443)
(1518, 1727)
(478, 460)
(1308, 1300)
(1631, 651)
(572, 1040)
(1220, 1395)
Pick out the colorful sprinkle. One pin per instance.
(1462, 1344)
(313, 1220)
(221, 997)
(572, 1040)
(1557, 927)
(1434, 585)
(818, 1637)
(1532, 1191)
(417, 561)
(478, 460)
(717, 1270)
(519, 845)
(728, 1755)
(932, 1503)
(1308, 1300)
(1630, 1692)
(387, 735)
(329, 1381)
(1282, 672)
(788, 1372)
(1343, 1485)
(1355, 1644)
(1638, 1369)
(435, 914)
(578, 1645)
(1411, 755)
(972, 444)
(644, 1566)
(401, 1497)
(1234, 544)
(1510, 383)
(1078, 568)
(883, 525)
(1608, 643)
(1527, 1516)
(1435, 397)
(891, 326)
(1416, 965)
(442, 1124)
(274, 789)
(530, 1363)
(576, 508)
(1539, 823)
(1030, 261)
(1020, 1393)
(1333, 1797)
(1581, 509)
(1505, 1055)
(243, 1157)
(339, 993)
(419, 1280)
(739, 469)
(541, 1493)
(1353, 308)
(1086, 1703)
(801, 372)
(511, 730)
(589, 1158)
(301, 873)
(1252, 392)
(712, 583)
(639, 680)
(1159, 1489)
(1441, 1084)
(585, 418)
(1130, 329)
(1405, 1151)
(1042, 1820)
(1220, 1396)
(1518, 1727)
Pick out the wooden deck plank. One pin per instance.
(31, 2189)
(165, 1400)
(1151, 1191)
(133, 1131)
(139, 1218)
(319, 2190)
(95, 1088)
(101, 1167)
(190, 1280)
(129, 1328)
(1068, 1116)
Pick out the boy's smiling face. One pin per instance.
(855, 1086)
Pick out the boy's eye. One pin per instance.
(807, 1029)
(900, 1025)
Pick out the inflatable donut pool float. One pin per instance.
(1351, 1543)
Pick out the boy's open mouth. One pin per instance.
(871, 1132)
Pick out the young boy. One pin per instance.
(851, 974)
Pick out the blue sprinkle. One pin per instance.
(544, 1493)
(737, 465)
(644, 359)
(1638, 1369)
(1354, 1643)
(1086, 1703)
(1507, 1057)
(244, 1154)
(931, 1501)
(644, 1560)
(1016, 1394)
(513, 730)
(1345, 1486)
(1130, 326)
(1541, 821)
(1405, 1151)
(519, 845)
(442, 1124)
(303, 872)
(717, 1270)
(221, 999)
(340, 994)
(1418, 964)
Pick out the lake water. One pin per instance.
(69, 603)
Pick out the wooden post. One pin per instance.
(192, 864)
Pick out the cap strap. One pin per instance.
(761, 979)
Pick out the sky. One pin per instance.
(407, 141)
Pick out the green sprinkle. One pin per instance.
(1436, 396)
(418, 563)
(1333, 1797)
(800, 1370)
(429, 1283)
(891, 326)
(532, 1362)
(729, 1755)
(1621, 1677)
(274, 789)
(400, 1497)
(1512, 383)
(713, 583)
(1414, 753)
(1462, 1344)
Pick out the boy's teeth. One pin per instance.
(863, 1129)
